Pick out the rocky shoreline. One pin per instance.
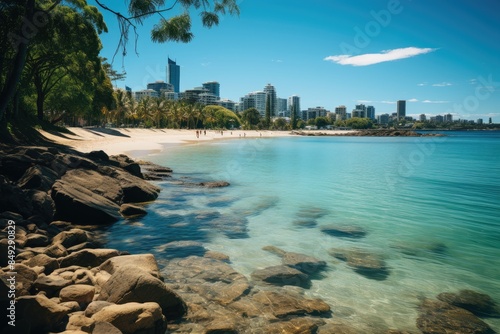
(64, 281)
(370, 133)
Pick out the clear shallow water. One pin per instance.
(431, 207)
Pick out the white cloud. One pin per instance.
(388, 102)
(375, 58)
(429, 101)
(422, 84)
(412, 100)
(443, 84)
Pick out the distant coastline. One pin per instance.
(370, 133)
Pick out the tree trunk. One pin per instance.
(14, 76)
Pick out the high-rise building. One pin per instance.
(255, 100)
(423, 118)
(383, 119)
(316, 112)
(341, 113)
(213, 87)
(448, 118)
(294, 104)
(359, 111)
(271, 94)
(282, 107)
(401, 109)
(370, 112)
(174, 75)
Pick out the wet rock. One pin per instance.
(130, 284)
(38, 177)
(56, 251)
(80, 293)
(74, 161)
(344, 231)
(283, 304)
(87, 257)
(43, 204)
(38, 313)
(304, 222)
(219, 326)
(294, 326)
(479, 304)
(145, 262)
(363, 262)
(130, 210)
(281, 276)
(217, 256)
(306, 264)
(438, 317)
(214, 280)
(131, 318)
(127, 164)
(182, 249)
(77, 204)
(214, 184)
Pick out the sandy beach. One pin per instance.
(136, 141)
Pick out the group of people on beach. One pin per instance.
(198, 133)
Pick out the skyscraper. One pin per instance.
(174, 75)
(370, 112)
(401, 109)
(271, 94)
(294, 105)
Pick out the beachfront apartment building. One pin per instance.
(341, 113)
(316, 112)
(213, 87)
(370, 112)
(255, 100)
(139, 95)
(273, 97)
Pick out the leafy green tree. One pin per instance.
(22, 20)
(221, 117)
(250, 118)
(321, 122)
(359, 123)
(280, 124)
(301, 124)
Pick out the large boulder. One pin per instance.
(80, 293)
(48, 263)
(281, 276)
(135, 189)
(78, 204)
(130, 210)
(87, 257)
(438, 317)
(133, 318)
(38, 314)
(146, 262)
(38, 177)
(97, 183)
(131, 284)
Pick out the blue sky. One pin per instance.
(440, 56)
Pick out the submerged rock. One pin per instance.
(344, 231)
(306, 264)
(312, 212)
(281, 276)
(479, 304)
(182, 249)
(438, 317)
(363, 262)
(130, 210)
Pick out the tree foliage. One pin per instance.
(250, 118)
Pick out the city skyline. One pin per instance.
(440, 58)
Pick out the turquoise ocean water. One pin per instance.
(430, 206)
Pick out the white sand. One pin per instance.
(138, 142)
